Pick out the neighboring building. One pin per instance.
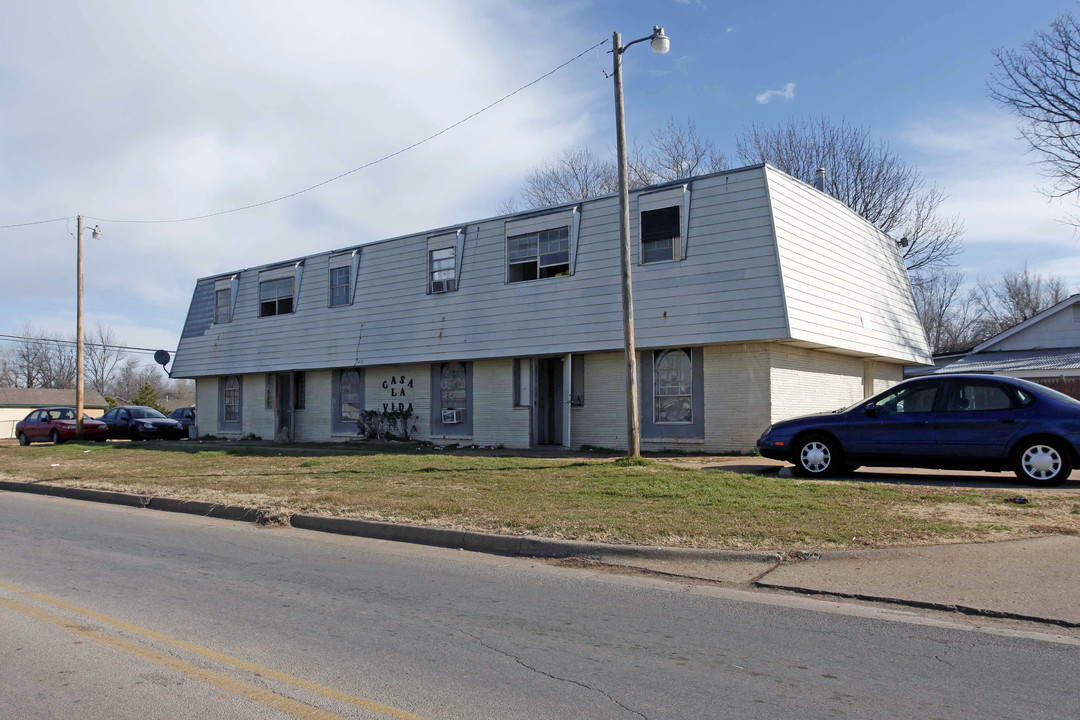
(16, 403)
(756, 297)
(1044, 349)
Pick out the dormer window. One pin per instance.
(538, 255)
(339, 286)
(222, 305)
(276, 297)
(660, 234)
(442, 270)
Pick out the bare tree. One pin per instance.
(948, 312)
(1013, 297)
(573, 174)
(1039, 84)
(56, 364)
(674, 152)
(865, 174)
(103, 357)
(677, 151)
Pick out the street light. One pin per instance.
(79, 327)
(661, 43)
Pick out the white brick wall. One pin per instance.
(601, 421)
(312, 424)
(737, 392)
(495, 419)
(419, 393)
(206, 406)
(808, 381)
(886, 375)
(747, 387)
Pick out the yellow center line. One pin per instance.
(237, 687)
(327, 692)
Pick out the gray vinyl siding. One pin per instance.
(1059, 330)
(726, 290)
(835, 266)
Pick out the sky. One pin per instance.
(157, 111)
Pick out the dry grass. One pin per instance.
(568, 497)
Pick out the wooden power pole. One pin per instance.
(79, 332)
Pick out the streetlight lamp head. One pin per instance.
(96, 234)
(661, 43)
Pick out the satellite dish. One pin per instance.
(162, 357)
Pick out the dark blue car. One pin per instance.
(973, 422)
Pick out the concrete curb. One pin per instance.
(518, 545)
(103, 496)
(515, 544)
(205, 509)
(964, 609)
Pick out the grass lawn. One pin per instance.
(591, 498)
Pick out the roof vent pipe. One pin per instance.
(819, 179)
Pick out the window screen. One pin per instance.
(673, 387)
(660, 234)
(452, 386)
(537, 255)
(275, 297)
(349, 396)
(442, 269)
(339, 286)
(577, 380)
(523, 382)
(222, 301)
(232, 400)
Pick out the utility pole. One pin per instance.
(660, 45)
(633, 415)
(79, 332)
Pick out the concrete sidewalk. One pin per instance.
(1030, 579)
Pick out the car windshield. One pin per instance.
(1038, 389)
(141, 412)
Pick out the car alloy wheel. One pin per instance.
(815, 457)
(23, 440)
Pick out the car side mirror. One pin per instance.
(871, 410)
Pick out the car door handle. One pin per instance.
(1009, 421)
(921, 422)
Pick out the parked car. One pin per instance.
(141, 423)
(57, 425)
(980, 422)
(185, 416)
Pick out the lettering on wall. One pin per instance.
(400, 386)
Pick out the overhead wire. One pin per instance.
(24, 338)
(339, 176)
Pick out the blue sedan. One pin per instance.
(972, 422)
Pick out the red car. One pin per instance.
(57, 424)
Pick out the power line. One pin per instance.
(36, 222)
(384, 158)
(18, 338)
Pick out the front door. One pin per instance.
(283, 423)
(898, 428)
(549, 402)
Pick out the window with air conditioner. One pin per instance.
(442, 270)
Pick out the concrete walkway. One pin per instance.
(1038, 578)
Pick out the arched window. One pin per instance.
(673, 375)
(349, 396)
(452, 386)
(232, 400)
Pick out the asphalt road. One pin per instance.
(109, 612)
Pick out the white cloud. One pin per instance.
(993, 185)
(787, 93)
(184, 111)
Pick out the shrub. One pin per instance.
(387, 424)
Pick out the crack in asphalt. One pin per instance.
(525, 665)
